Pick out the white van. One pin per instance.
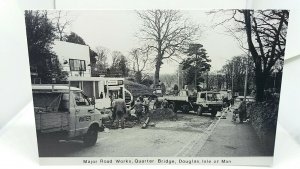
(63, 113)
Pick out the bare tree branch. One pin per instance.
(166, 32)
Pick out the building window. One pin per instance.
(77, 65)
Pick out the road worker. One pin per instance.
(242, 111)
(146, 105)
(138, 109)
(119, 111)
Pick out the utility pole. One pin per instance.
(178, 79)
(274, 83)
(207, 80)
(246, 78)
(195, 76)
(232, 79)
(196, 69)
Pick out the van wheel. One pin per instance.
(199, 111)
(185, 109)
(214, 113)
(91, 137)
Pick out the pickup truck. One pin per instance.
(65, 113)
(204, 102)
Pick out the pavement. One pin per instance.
(232, 139)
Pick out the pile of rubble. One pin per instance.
(153, 116)
(162, 114)
(137, 89)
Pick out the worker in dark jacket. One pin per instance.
(138, 109)
(119, 111)
(242, 111)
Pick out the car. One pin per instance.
(248, 98)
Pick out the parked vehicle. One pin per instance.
(209, 102)
(65, 113)
(248, 98)
(203, 102)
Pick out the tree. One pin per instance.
(196, 63)
(102, 54)
(236, 69)
(268, 44)
(147, 81)
(266, 38)
(166, 32)
(74, 38)
(61, 23)
(119, 65)
(163, 88)
(99, 65)
(213, 81)
(168, 79)
(190, 74)
(123, 66)
(40, 36)
(175, 87)
(93, 62)
(139, 58)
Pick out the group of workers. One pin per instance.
(119, 110)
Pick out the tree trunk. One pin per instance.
(156, 75)
(260, 77)
(260, 86)
(138, 76)
(158, 64)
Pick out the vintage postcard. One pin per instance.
(156, 86)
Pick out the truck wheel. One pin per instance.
(91, 137)
(199, 111)
(213, 114)
(171, 106)
(185, 109)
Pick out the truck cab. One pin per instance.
(188, 95)
(65, 113)
(209, 102)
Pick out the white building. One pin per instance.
(75, 59)
(78, 56)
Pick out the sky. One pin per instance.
(116, 30)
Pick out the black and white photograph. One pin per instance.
(172, 86)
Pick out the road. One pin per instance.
(181, 138)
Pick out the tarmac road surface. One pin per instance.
(181, 138)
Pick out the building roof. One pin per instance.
(53, 87)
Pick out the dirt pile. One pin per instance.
(137, 89)
(263, 117)
(162, 114)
